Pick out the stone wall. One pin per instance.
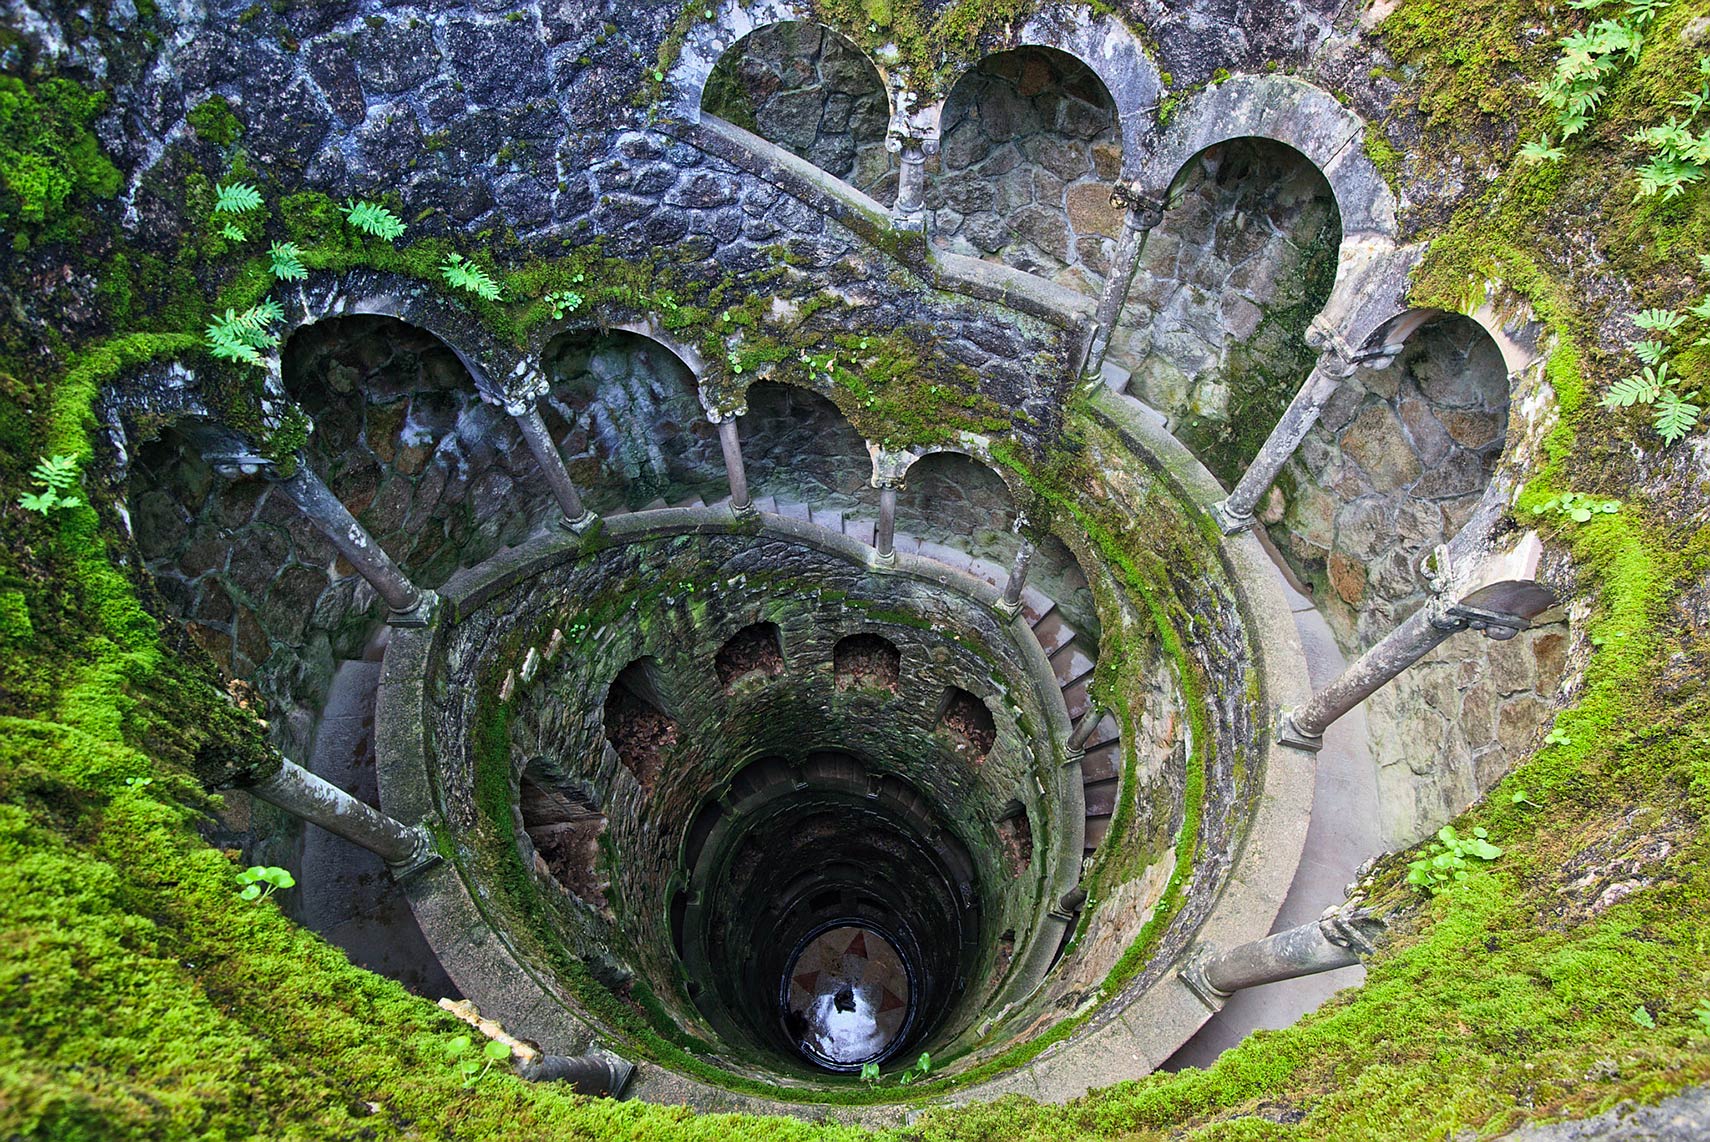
(1214, 328)
(812, 92)
(1029, 152)
(799, 448)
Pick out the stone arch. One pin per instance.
(1400, 460)
(1105, 45)
(626, 412)
(636, 723)
(866, 661)
(1214, 331)
(756, 649)
(1287, 110)
(799, 448)
(707, 40)
(808, 89)
(966, 721)
(1031, 146)
(950, 498)
(404, 438)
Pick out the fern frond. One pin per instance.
(372, 218)
(238, 198)
(1640, 388)
(464, 274)
(1650, 352)
(56, 472)
(1659, 320)
(1540, 151)
(287, 261)
(1675, 416)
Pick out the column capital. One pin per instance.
(716, 415)
(914, 126)
(235, 463)
(1348, 925)
(522, 398)
(1145, 209)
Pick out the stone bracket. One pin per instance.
(420, 615)
(578, 526)
(1291, 735)
(425, 856)
(1192, 973)
(1227, 521)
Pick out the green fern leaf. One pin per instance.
(238, 198)
(287, 261)
(1541, 151)
(1659, 320)
(1650, 352)
(1675, 416)
(1640, 388)
(464, 274)
(372, 218)
(56, 472)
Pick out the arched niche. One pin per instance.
(952, 499)
(636, 724)
(755, 651)
(809, 90)
(866, 662)
(800, 448)
(439, 477)
(966, 724)
(1396, 464)
(626, 414)
(1031, 146)
(564, 823)
(1213, 333)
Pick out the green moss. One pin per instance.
(48, 155)
(213, 121)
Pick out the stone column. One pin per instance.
(1235, 512)
(913, 134)
(595, 1073)
(731, 445)
(1010, 604)
(1340, 938)
(1422, 631)
(526, 412)
(406, 848)
(1076, 749)
(1144, 213)
(884, 539)
(409, 604)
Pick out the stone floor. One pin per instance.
(848, 995)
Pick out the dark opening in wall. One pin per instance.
(1015, 834)
(968, 724)
(636, 727)
(756, 649)
(867, 661)
(565, 826)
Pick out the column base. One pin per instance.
(884, 559)
(1192, 973)
(915, 222)
(426, 855)
(580, 524)
(1291, 735)
(419, 615)
(1007, 609)
(1227, 521)
(1074, 755)
(745, 511)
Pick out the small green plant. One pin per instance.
(869, 1072)
(1702, 1012)
(1577, 506)
(564, 301)
(1521, 797)
(261, 881)
(1588, 61)
(922, 1067)
(237, 198)
(286, 262)
(138, 784)
(473, 1065)
(1643, 1017)
(464, 274)
(1678, 156)
(54, 475)
(242, 336)
(1448, 859)
(1557, 737)
(372, 218)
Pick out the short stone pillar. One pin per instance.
(410, 605)
(1416, 637)
(885, 537)
(912, 133)
(526, 412)
(595, 1073)
(1338, 939)
(1010, 603)
(731, 445)
(1144, 214)
(1076, 747)
(406, 848)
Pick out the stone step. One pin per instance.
(1036, 604)
(942, 553)
(1097, 828)
(865, 530)
(1053, 632)
(1101, 797)
(1103, 763)
(1071, 664)
(1115, 377)
(795, 511)
(1075, 697)
(829, 518)
(991, 572)
(654, 504)
(907, 544)
(768, 504)
(694, 502)
(1105, 733)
